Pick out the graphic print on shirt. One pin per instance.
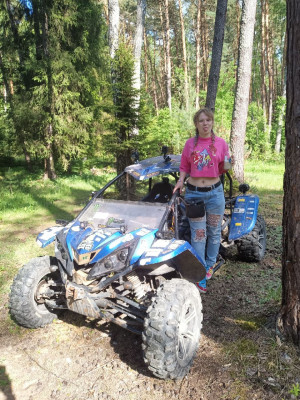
(202, 159)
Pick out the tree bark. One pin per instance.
(113, 29)
(49, 134)
(154, 78)
(204, 40)
(145, 60)
(137, 50)
(240, 111)
(168, 56)
(289, 317)
(280, 123)
(198, 52)
(216, 59)
(184, 58)
(269, 59)
(138, 41)
(263, 62)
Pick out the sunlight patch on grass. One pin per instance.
(249, 324)
(264, 175)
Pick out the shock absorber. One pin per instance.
(137, 286)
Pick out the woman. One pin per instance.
(203, 160)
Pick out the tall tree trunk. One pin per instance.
(198, 52)
(168, 56)
(49, 134)
(164, 57)
(184, 58)
(113, 39)
(216, 59)
(137, 49)
(138, 41)
(239, 119)
(154, 78)
(289, 316)
(269, 57)
(145, 60)
(114, 24)
(280, 123)
(263, 62)
(204, 40)
(237, 39)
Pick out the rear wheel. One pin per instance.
(252, 247)
(172, 329)
(34, 284)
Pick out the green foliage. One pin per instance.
(58, 79)
(225, 102)
(125, 107)
(168, 128)
(64, 100)
(257, 143)
(295, 390)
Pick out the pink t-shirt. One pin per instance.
(206, 159)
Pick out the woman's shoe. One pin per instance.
(201, 288)
(209, 273)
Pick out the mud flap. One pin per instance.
(189, 267)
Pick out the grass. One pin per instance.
(28, 204)
(264, 176)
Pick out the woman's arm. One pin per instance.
(180, 182)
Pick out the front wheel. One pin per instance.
(34, 284)
(172, 329)
(252, 247)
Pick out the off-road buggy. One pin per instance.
(131, 263)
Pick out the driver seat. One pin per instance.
(161, 192)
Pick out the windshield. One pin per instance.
(117, 213)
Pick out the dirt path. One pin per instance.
(239, 357)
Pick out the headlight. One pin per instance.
(112, 263)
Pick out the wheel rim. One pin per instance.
(188, 334)
(39, 293)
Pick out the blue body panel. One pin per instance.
(164, 250)
(92, 241)
(117, 242)
(244, 216)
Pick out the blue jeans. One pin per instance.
(206, 231)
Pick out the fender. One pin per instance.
(178, 254)
(244, 216)
(47, 236)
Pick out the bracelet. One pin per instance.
(180, 180)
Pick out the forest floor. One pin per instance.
(240, 355)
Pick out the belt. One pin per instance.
(204, 188)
